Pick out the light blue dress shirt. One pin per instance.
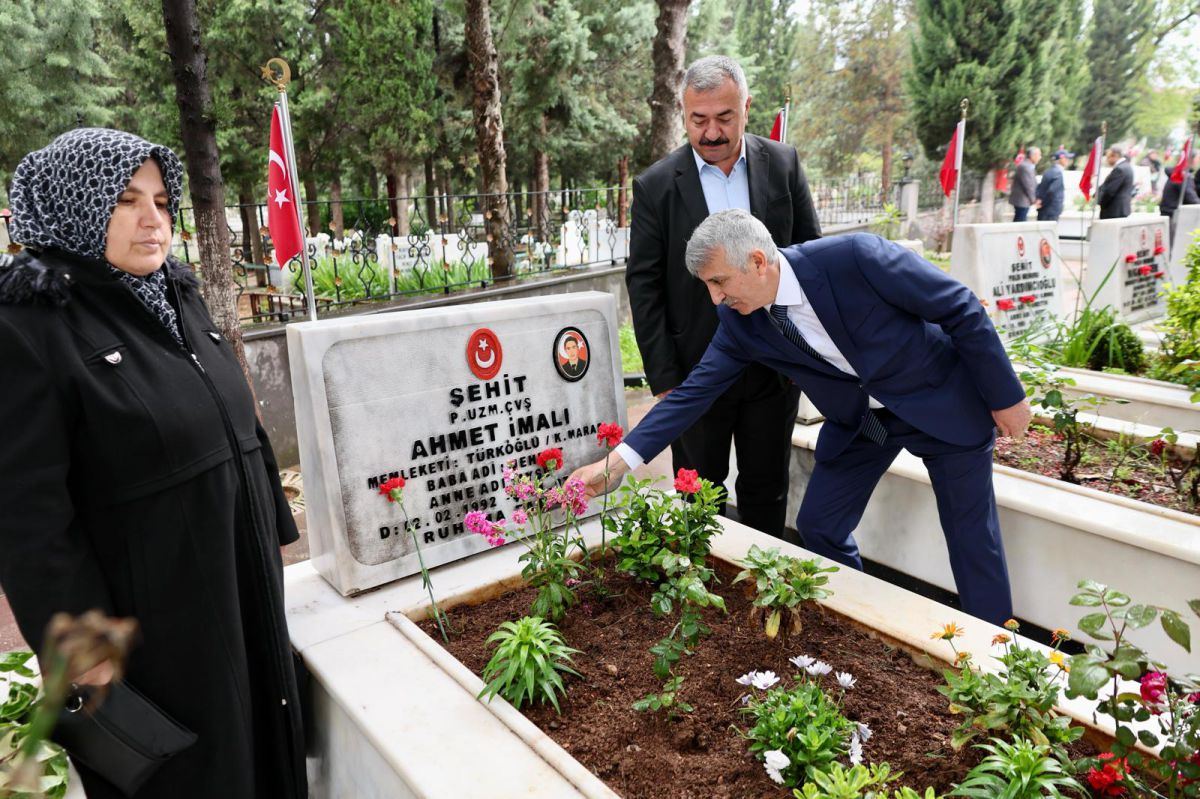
(721, 191)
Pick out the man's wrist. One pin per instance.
(629, 456)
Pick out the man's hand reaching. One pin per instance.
(592, 475)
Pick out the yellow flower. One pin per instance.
(947, 633)
(1057, 659)
(1059, 634)
(1012, 624)
(1000, 639)
(961, 658)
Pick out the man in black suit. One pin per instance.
(1116, 192)
(720, 167)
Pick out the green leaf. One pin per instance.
(1194, 604)
(1093, 625)
(1086, 677)
(1177, 629)
(1086, 600)
(1139, 616)
(1116, 598)
(1125, 736)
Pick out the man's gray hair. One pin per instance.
(712, 71)
(1119, 149)
(737, 232)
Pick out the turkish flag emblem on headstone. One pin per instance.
(282, 219)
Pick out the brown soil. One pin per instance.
(702, 754)
(1140, 476)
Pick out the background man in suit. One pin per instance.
(1116, 192)
(1025, 184)
(1177, 194)
(895, 354)
(1050, 189)
(720, 167)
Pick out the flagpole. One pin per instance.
(1099, 169)
(962, 140)
(787, 112)
(285, 120)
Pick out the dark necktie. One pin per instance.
(872, 427)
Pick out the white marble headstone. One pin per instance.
(1187, 225)
(444, 398)
(1127, 266)
(1015, 268)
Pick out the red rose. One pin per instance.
(550, 459)
(1157, 446)
(1154, 687)
(1145, 269)
(1005, 305)
(1104, 779)
(395, 484)
(1130, 259)
(1028, 298)
(1159, 250)
(609, 434)
(1160, 275)
(687, 481)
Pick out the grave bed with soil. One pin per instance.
(702, 754)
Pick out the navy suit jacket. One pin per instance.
(1050, 192)
(919, 340)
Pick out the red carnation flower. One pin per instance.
(1154, 688)
(1005, 305)
(609, 434)
(1159, 250)
(395, 484)
(1157, 446)
(1145, 269)
(550, 459)
(1160, 275)
(1028, 298)
(1104, 780)
(687, 481)
(1130, 259)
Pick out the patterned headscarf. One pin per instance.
(63, 197)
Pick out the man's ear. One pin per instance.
(758, 259)
(749, 99)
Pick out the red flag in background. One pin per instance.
(777, 128)
(953, 160)
(1020, 156)
(1181, 168)
(282, 218)
(1089, 171)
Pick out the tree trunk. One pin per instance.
(393, 189)
(886, 178)
(489, 134)
(403, 184)
(372, 182)
(622, 194)
(541, 186)
(311, 209)
(666, 107)
(430, 195)
(337, 215)
(252, 249)
(987, 198)
(192, 95)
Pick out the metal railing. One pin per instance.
(931, 197)
(853, 200)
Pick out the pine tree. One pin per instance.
(1121, 48)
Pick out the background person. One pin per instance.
(1025, 184)
(1177, 194)
(1050, 189)
(134, 476)
(895, 353)
(720, 167)
(1115, 196)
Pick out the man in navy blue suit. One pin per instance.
(894, 353)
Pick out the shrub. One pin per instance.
(1113, 345)
(651, 523)
(782, 583)
(527, 662)
(1018, 770)
(804, 724)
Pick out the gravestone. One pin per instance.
(444, 398)
(1127, 266)
(1187, 224)
(1014, 268)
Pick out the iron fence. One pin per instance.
(930, 195)
(858, 199)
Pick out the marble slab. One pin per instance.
(444, 398)
(1187, 224)
(1127, 266)
(1014, 268)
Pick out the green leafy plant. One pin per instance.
(25, 756)
(1111, 344)
(802, 723)
(650, 523)
(1179, 355)
(781, 584)
(1183, 474)
(528, 662)
(887, 223)
(684, 588)
(855, 782)
(1017, 770)
(1168, 701)
(1018, 702)
(666, 700)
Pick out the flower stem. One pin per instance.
(438, 615)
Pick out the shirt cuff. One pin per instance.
(631, 458)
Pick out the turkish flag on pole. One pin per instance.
(777, 128)
(1181, 168)
(282, 218)
(1020, 156)
(1089, 172)
(952, 163)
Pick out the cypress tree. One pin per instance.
(1121, 48)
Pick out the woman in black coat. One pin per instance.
(134, 475)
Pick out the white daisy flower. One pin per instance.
(774, 762)
(856, 752)
(802, 661)
(845, 679)
(764, 680)
(864, 732)
(818, 669)
(746, 678)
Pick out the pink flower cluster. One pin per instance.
(572, 495)
(477, 522)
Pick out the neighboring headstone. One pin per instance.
(1127, 266)
(1187, 225)
(1014, 268)
(443, 398)
(914, 245)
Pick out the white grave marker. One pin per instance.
(444, 398)
(1187, 224)
(1127, 266)
(1014, 268)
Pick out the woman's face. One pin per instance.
(139, 231)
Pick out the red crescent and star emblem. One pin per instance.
(1021, 246)
(484, 354)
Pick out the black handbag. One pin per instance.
(124, 740)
